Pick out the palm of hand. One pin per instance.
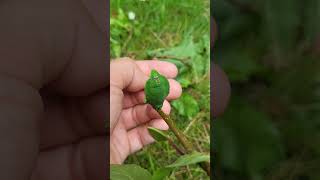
(130, 116)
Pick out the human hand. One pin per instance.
(53, 92)
(221, 87)
(129, 115)
(57, 131)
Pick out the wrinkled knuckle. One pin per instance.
(124, 61)
(116, 91)
(127, 60)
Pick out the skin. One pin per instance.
(130, 116)
(55, 90)
(49, 129)
(221, 89)
(214, 31)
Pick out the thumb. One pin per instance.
(20, 111)
(124, 75)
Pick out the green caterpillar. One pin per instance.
(156, 89)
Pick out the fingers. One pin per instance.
(221, 91)
(159, 124)
(95, 8)
(132, 75)
(81, 51)
(20, 112)
(85, 160)
(140, 137)
(141, 114)
(132, 99)
(214, 30)
(165, 68)
(73, 118)
(93, 109)
(221, 86)
(126, 75)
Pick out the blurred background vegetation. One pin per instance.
(270, 52)
(177, 31)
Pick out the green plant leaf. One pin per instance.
(238, 71)
(128, 172)
(282, 25)
(182, 67)
(161, 173)
(312, 28)
(245, 140)
(184, 76)
(185, 50)
(188, 56)
(157, 134)
(186, 105)
(189, 159)
(184, 81)
(200, 63)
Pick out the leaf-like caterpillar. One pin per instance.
(156, 89)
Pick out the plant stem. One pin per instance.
(171, 57)
(183, 139)
(180, 151)
(206, 167)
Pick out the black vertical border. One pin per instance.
(108, 74)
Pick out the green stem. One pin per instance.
(180, 151)
(183, 139)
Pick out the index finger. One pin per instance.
(213, 31)
(165, 68)
(130, 75)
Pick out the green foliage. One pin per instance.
(161, 173)
(247, 143)
(192, 59)
(193, 62)
(128, 172)
(157, 134)
(186, 106)
(157, 24)
(268, 50)
(189, 159)
(121, 26)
